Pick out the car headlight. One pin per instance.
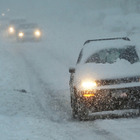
(37, 33)
(88, 85)
(11, 30)
(20, 34)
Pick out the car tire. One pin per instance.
(82, 111)
(138, 107)
(74, 108)
(139, 110)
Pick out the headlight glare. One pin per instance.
(11, 30)
(88, 85)
(37, 33)
(20, 34)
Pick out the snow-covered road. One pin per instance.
(34, 78)
(43, 112)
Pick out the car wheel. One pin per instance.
(139, 110)
(82, 111)
(74, 108)
(138, 107)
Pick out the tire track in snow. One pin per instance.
(106, 134)
(52, 106)
(50, 102)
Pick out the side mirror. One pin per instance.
(71, 70)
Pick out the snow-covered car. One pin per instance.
(28, 32)
(106, 78)
(12, 26)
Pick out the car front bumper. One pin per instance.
(111, 99)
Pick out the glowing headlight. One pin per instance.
(3, 14)
(88, 85)
(11, 30)
(37, 33)
(20, 34)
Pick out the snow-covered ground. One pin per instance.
(34, 87)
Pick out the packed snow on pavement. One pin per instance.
(34, 87)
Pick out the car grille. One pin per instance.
(118, 81)
(103, 99)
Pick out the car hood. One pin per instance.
(118, 70)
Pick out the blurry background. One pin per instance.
(67, 24)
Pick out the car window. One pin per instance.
(111, 55)
(28, 26)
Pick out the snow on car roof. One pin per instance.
(96, 46)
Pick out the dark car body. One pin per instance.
(28, 32)
(106, 77)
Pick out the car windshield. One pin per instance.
(111, 55)
(27, 26)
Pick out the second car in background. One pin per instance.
(12, 26)
(28, 32)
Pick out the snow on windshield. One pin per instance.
(95, 47)
(111, 55)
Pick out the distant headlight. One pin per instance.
(11, 30)
(20, 34)
(88, 85)
(37, 33)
